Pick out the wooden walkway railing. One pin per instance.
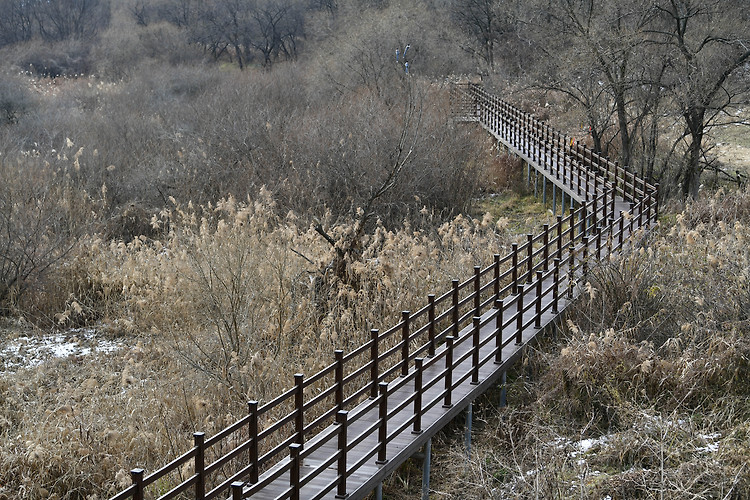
(339, 432)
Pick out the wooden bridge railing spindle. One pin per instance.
(496, 276)
(529, 257)
(252, 408)
(454, 310)
(294, 470)
(405, 343)
(447, 402)
(519, 316)
(136, 476)
(339, 376)
(431, 327)
(499, 332)
(383, 428)
(477, 287)
(475, 351)
(538, 305)
(299, 405)
(514, 264)
(342, 422)
(374, 355)
(417, 427)
(199, 439)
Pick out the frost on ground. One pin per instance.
(28, 351)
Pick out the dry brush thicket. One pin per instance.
(645, 394)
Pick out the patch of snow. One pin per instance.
(31, 351)
(585, 445)
(711, 446)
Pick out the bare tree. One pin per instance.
(599, 54)
(63, 19)
(486, 22)
(706, 43)
(387, 177)
(16, 22)
(269, 28)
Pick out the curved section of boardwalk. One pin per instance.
(339, 432)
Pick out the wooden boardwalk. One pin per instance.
(338, 433)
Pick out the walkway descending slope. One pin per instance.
(339, 432)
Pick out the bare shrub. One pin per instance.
(42, 216)
(15, 100)
(63, 58)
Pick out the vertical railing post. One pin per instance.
(294, 469)
(454, 310)
(596, 183)
(656, 203)
(519, 316)
(342, 422)
(514, 251)
(383, 429)
(374, 359)
(622, 230)
(538, 305)
(417, 427)
(475, 351)
(585, 260)
(136, 476)
(496, 276)
(477, 287)
(616, 178)
(431, 325)
(559, 234)
(595, 213)
(299, 405)
(447, 403)
(529, 256)
(237, 490)
(571, 270)
(339, 376)
(545, 253)
(583, 219)
(405, 343)
(556, 288)
(598, 246)
(572, 218)
(499, 320)
(199, 439)
(641, 204)
(252, 408)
